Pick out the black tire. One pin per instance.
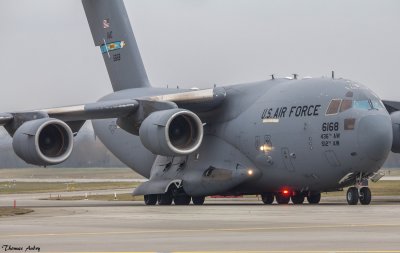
(198, 201)
(365, 196)
(182, 200)
(267, 198)
(282, 199)
(164, 199)
(352, 196)
(150, 199)
(297, 198)
(314, 198)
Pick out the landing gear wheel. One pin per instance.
(282, 199)
(164, 199)
(352, 196)
(150, 199)
(182, 200)
(198, 200)
(314, 197)
(267, 198)
(297, 198)
(365, 196)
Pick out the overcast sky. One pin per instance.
(48, 57)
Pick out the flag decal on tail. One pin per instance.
(106, 23)
(105, 48)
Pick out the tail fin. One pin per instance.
(112, 31)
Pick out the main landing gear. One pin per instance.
(150, 200)
(167, 198)
(284, 197)
(354, 194)
(314, 197)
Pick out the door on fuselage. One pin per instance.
(287, 158)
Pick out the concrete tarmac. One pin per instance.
(228, 225)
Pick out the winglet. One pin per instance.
(5, 118)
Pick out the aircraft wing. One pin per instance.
(45, 137)
(5, 118)
(99, 110)
(391, 106)
(197, 101)
(76, 115)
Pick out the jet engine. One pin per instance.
(396, 131)
(171, 132)
(43, 141)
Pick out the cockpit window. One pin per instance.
(362, 104)
(346, 104)
(339, 105)
(377, 104)
(333, 107)
(368, 104)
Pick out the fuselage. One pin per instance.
(305, 135)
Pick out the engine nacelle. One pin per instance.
(43, 141)
(396, 131)
(172, 132)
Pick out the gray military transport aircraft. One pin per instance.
(284, 138)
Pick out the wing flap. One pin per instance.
(196, 101)
(98, 110)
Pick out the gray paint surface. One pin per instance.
(50, 53)
(262, 137)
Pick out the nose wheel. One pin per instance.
(354, 195)
(365, 196)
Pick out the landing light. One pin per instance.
(250, 172)
(266, 148)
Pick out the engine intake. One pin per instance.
(172, 132)
(43, 141)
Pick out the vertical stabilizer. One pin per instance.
(112, 32)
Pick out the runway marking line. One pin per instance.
(201, 230)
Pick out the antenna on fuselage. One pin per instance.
(295, 76)
(272, 77)
(333, 74)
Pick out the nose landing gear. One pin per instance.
(365, 196)
(354, 194)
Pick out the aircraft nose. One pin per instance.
(375, 136)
